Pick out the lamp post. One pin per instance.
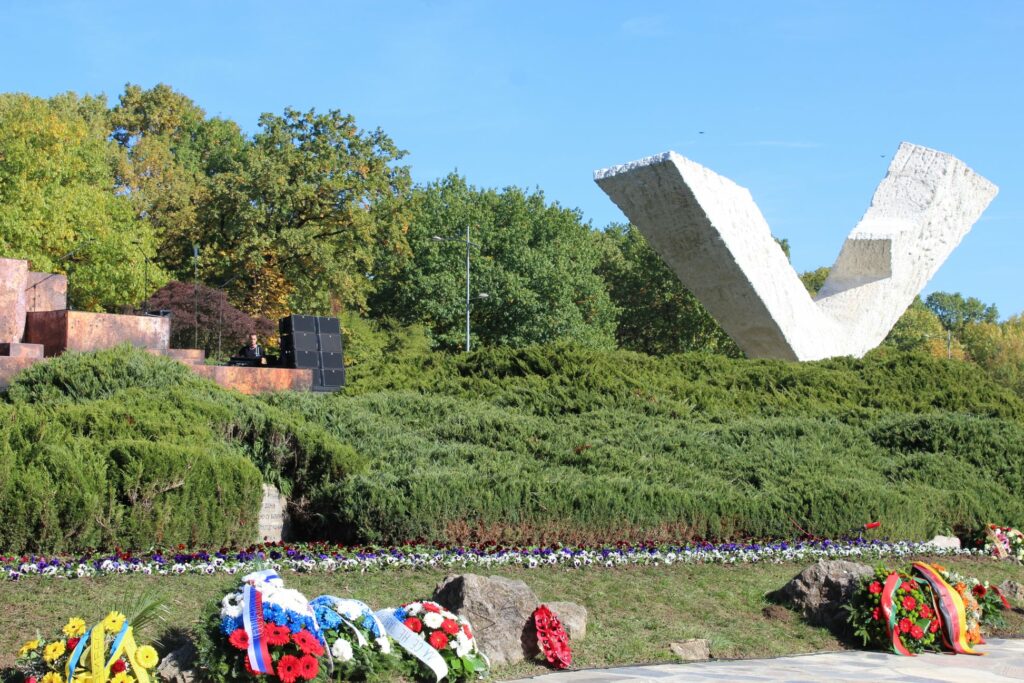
(145, 276)
(481, 295)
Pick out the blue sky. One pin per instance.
(798, 101)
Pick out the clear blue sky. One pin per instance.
(798, 100)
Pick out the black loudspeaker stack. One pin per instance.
(314, 342)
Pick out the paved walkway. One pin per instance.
(1003, 663)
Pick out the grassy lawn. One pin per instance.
(634, 613)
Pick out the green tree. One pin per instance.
(314, 209)
(534, 260)
(657, 315)
(999, 348)
(918, 329)
(814, 280)
(171, 152)
(57, 179)
(956, 313)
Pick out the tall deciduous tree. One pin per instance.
(657, 315)
(999, 348)
(535, 261)
(314, 208)
(955, 312)
(57, 196)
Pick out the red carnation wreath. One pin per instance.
(553, 640)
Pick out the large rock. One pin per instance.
(693, 650)
(821, 590)
(573, 618)
(179, 666)
(945, 542)
(1013, 592)
(499, 611)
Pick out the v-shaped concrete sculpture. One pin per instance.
(712, 235)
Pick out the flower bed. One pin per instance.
(319, 557)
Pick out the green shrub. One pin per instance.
(168, 462)
(86, 376)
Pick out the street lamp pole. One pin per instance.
(467, 287)
(481, 295)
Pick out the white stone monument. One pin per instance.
(712, 235)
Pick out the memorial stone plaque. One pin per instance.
(273, 514)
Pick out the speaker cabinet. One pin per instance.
(329, 343)
(297, 323)
(300, 341)
(325, 325)
(333, 378)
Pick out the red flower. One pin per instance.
(465, 629)
(905, 625)
(308, 667)
(72, 643)
(413, 624)
(450, 627)
(277, 635)
(909, 603)
(248, 667)
(934, 626)
(908, 586)
(876, 613)
(916, 632)
(438, 640)
(288, 668)
(926, 611)
(239, 638)
(875, 587)
(118, 666)
(431, 607)
(872, 525)
(308, 643)
(979, 591)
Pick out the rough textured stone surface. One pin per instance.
(945, 542)
(693, 650)
(60, 331)
(9, 367)
(499, 611)
(13, 278)
(820, 591)
(1012, 591)
(13, 350)
(46, 292)
(273, 524)
(256, 380)
(573, 618)
(179, 666)
(712, 235)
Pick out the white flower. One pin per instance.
(414, 607)
(433, 620)
(231, 605)
(384, 643)
(342, 650)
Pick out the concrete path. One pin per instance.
(1004, 662)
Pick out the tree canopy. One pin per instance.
(534, 260)
(58, 207)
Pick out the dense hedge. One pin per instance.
(532, 444)
(123, 448)
(509, 445)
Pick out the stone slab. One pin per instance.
(46, 292)
(13, 279)
(60, 331)
(187, 356)
(9, 367)
(713, 236)
(256, 380)
(15, 350)
(273, 520)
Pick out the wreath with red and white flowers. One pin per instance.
(553, 640)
